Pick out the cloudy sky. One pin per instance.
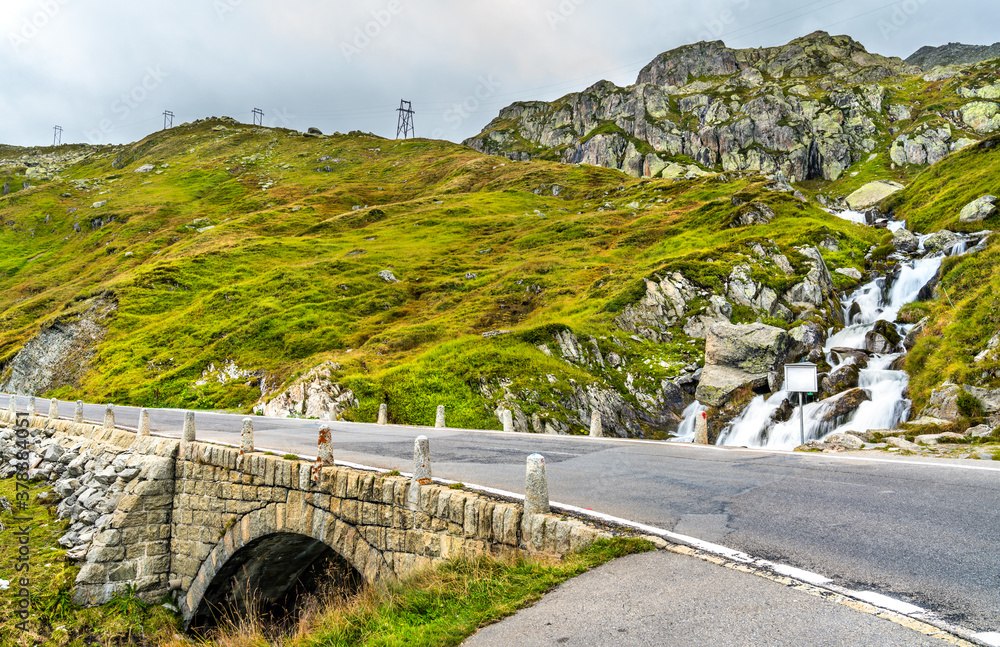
(105, 70)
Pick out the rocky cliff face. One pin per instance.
(58, 355)
(808, 110)
(953, 54)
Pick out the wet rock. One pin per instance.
(905, 241)
(883, 339)
(914, 334)
(840, 380)
(840, 407)
(942, 241)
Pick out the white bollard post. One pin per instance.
(422, 460)
(439, 420)
(189, 433)
(31, 406)
(78, 411)
(701, 429)
(143, 422)
(536, 488)
(324, 454)
(53, 409)
(596, 427)
(383, 414)
(109, 416)
(246, 437)
(508, 421)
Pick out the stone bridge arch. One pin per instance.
(289, 538)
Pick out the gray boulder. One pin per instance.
(942, 241)
(979, 209)
(883, 338)
(905, 241)
(740, 355)
(845, 441)
(872, 193)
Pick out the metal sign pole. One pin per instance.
(802, 418)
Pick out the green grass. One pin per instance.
(54, 619)
(437, 607)
(287, 277)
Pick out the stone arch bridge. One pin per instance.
(181, 518)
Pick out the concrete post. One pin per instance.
(143, 422)
(31, 406)
(536, 488)
(188, 434)
(78, 411)
(12, 406)
(439, 421)
(508, 421)
(246, 437)
(109, 416)
(596, 427)
(383, 414)
(422, 460)
(53, 409)
(701, 429)
(324, 453)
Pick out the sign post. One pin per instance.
(801, 378)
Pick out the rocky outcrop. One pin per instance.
(807, 110)
(942, 241)
(315, 395)
(944, 401)
(929, 57)
(741, 356)
(60, 354)
(663, 306)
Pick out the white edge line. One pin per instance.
(989, 637)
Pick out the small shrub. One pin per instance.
(291, 457)
(969, 405)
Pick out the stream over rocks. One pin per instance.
(866, 352)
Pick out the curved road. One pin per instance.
(925, 531)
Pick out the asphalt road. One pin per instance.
(925, 531)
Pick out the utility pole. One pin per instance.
(57, 136)
(405, 123)
(168, 119)
(258, 117)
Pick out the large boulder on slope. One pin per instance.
(905, 241)
(737, 356)
(979, 209)
(872, 193)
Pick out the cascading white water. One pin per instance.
(757, 425)
(685, 433)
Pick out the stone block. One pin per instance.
(123, 572)
(349, 511)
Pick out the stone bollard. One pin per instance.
(12, 406)
(536, 488)
(422, 460)
(383, 414)
(78, 411)
(143, 422)
(188, 434)
(324, 453)
(246, 437)
(508, 421)
(701, 429)
(31, 406)
(439, 420)
(109, 416)
(53, 409)
(596, 428)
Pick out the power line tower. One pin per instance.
(405, 123)
(168, 119)
(258, 117)
(57, 136)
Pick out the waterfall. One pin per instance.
(685, 433)
(759, 426)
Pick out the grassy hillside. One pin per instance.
(263, 248)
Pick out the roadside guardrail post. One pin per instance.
(439, 420)
(536, 489)
(189, 433)
(109, 416)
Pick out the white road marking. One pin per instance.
(886, 602)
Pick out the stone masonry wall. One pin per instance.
(164, 515)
